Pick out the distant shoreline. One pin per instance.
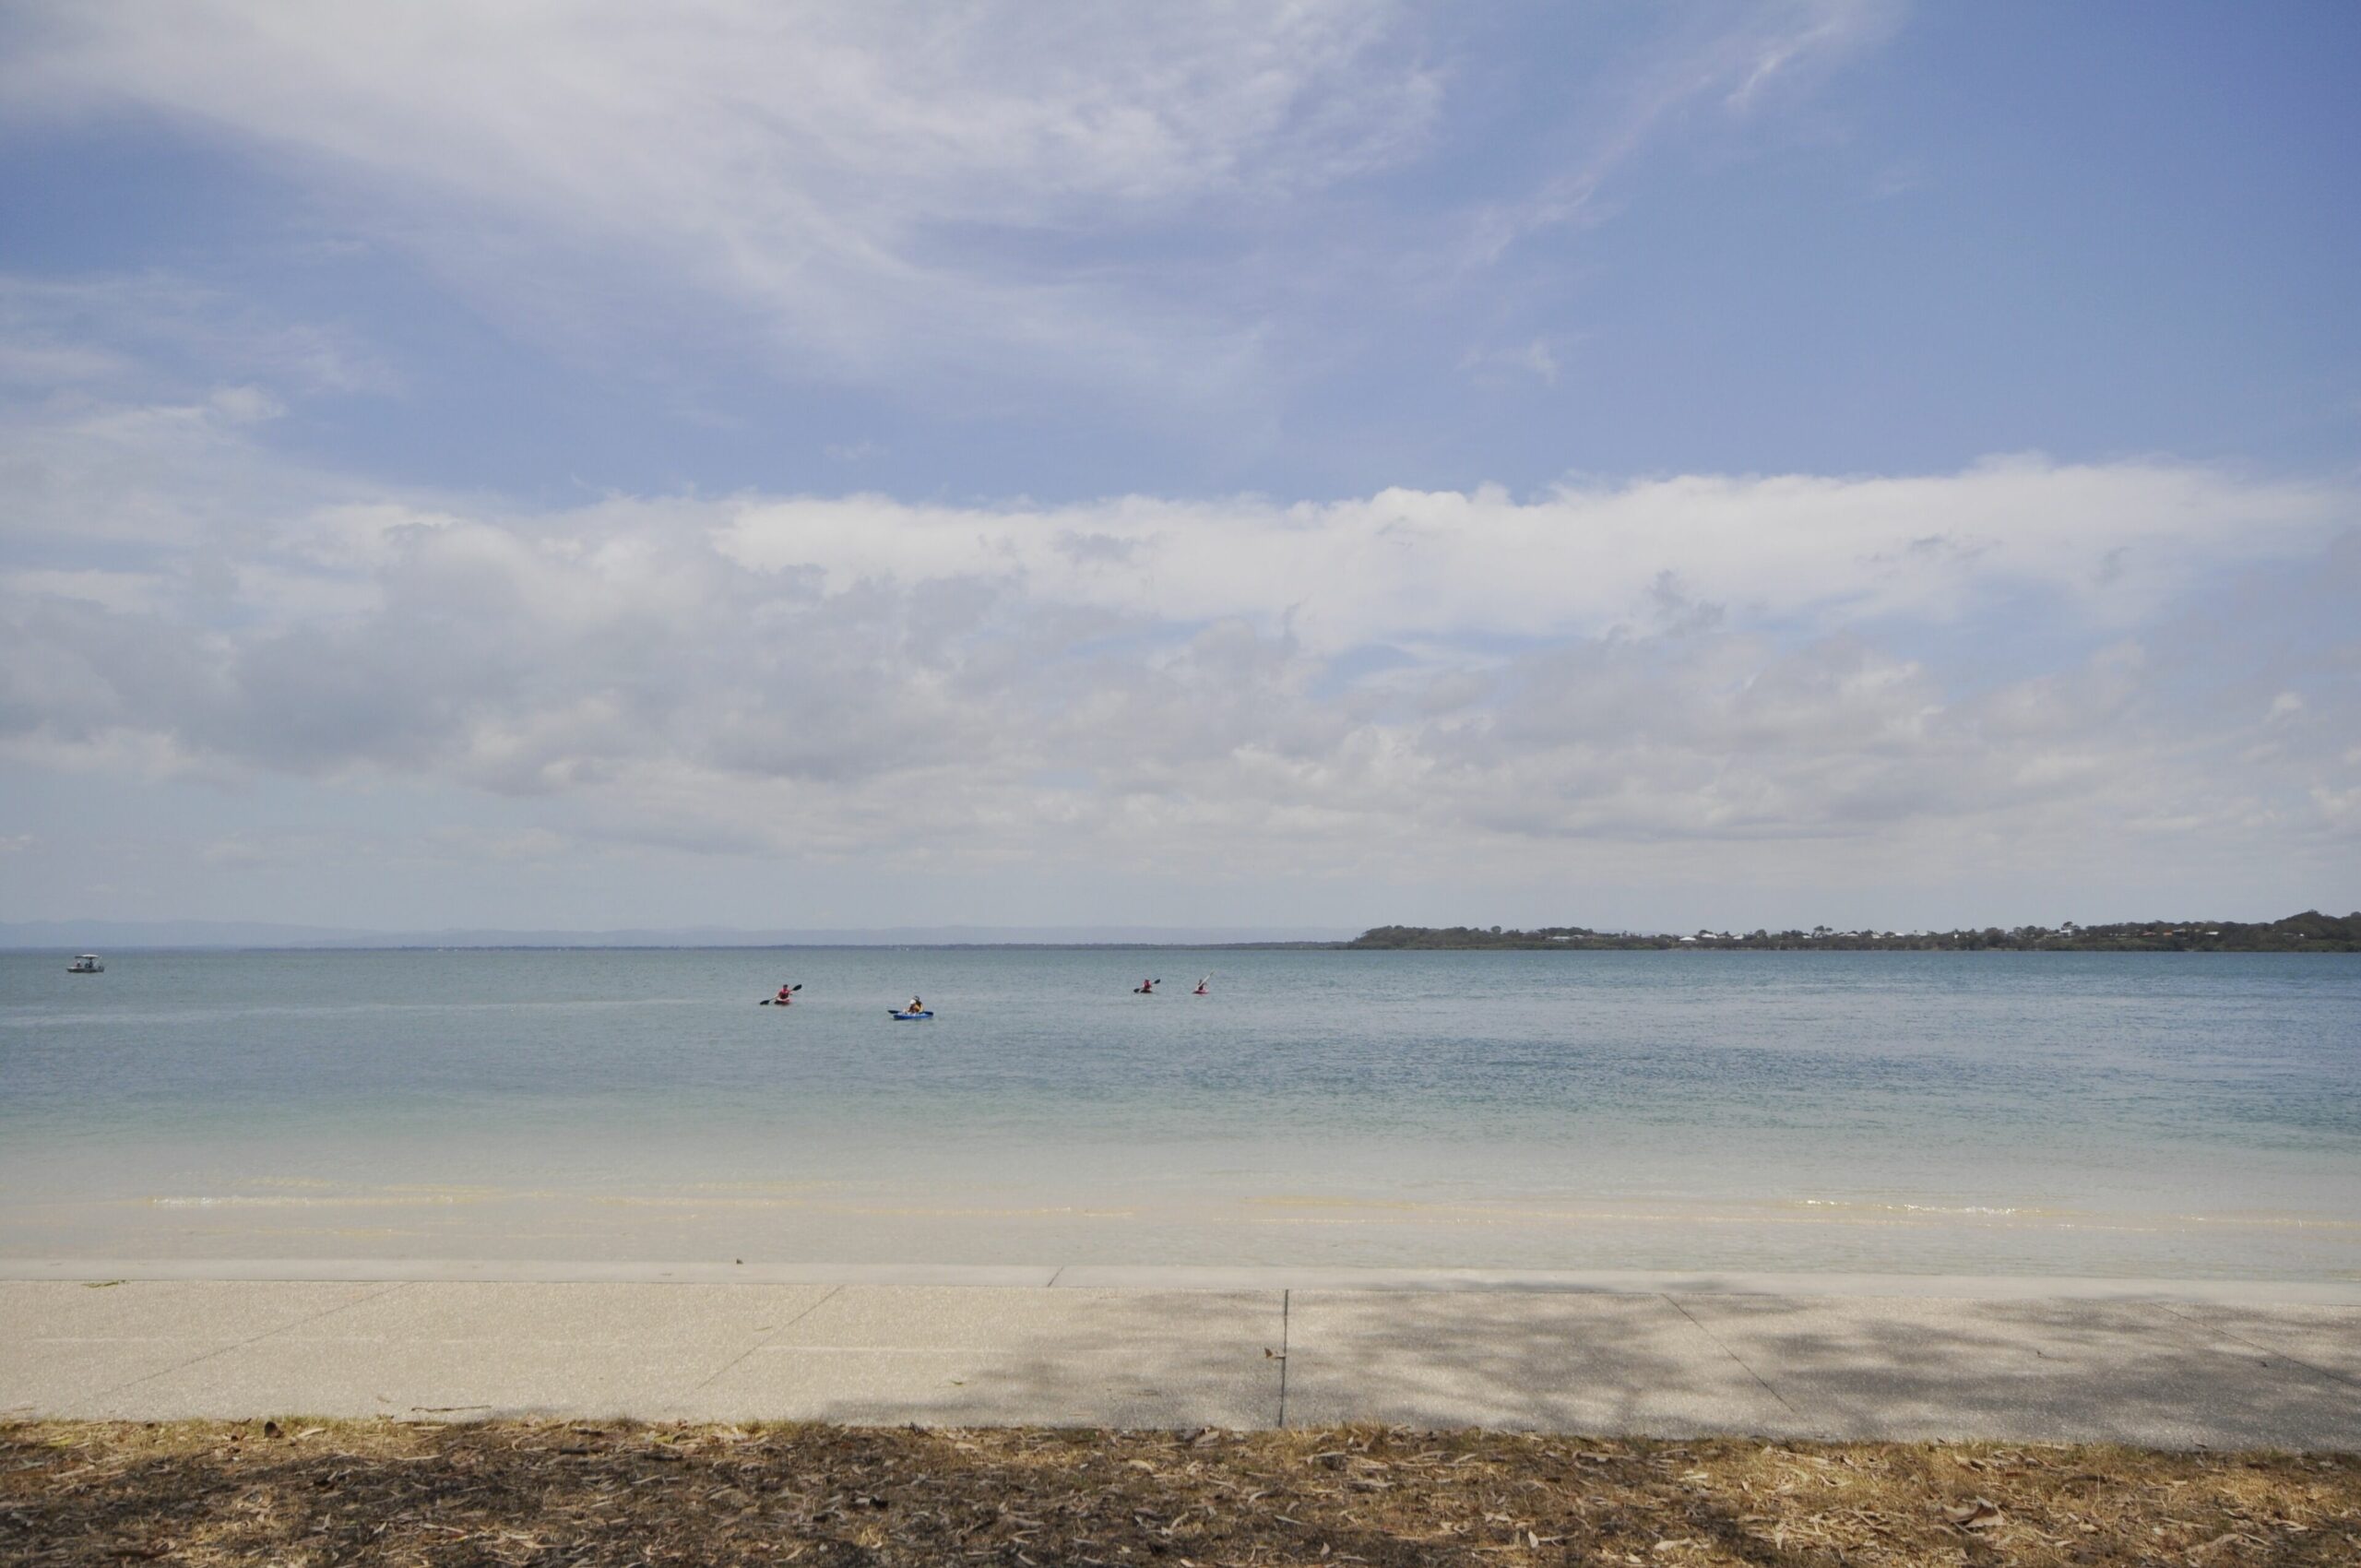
(2310, 931)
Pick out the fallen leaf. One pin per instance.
(1978, 1514)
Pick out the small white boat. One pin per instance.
(85, 964)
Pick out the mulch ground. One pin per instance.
(516, 1492)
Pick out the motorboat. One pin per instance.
(85, 964)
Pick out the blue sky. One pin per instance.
(864, 464)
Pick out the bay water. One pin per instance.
(2153, 1115)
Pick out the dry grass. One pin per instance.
(548, 1492)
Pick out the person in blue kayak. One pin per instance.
(916, 1005)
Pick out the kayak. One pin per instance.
(909, 1017)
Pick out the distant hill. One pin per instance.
(103, 934)
(2310, 931)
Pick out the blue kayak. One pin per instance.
(909, 1017)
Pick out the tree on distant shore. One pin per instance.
(2310, 931)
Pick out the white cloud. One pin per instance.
(2115, 540)
(1797, 38)
(1142, 201)
(868, 180)
(1535, 359)
(1444, 681)
(117, 590)
(1742, 56)
(116, 333)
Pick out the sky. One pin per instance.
(864, 464)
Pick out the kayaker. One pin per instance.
(1146, 988)
(915, 1005)
(1201, 987)
(785, 995)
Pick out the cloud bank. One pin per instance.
(1435, 678)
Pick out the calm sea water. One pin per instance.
(2173, 1115)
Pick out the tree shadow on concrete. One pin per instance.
(2049, 1370)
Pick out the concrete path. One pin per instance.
(2122, 1364)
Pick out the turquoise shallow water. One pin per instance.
(2173, 1115)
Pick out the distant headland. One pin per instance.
(2310, 931)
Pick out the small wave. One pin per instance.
(280, 1200)
(898, 1211)
(1290, 1200)
(769, 1187)
(628, 1200)
(280, 1233)
(2272, 1221)
(2002, 1209)
(994, 1213)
